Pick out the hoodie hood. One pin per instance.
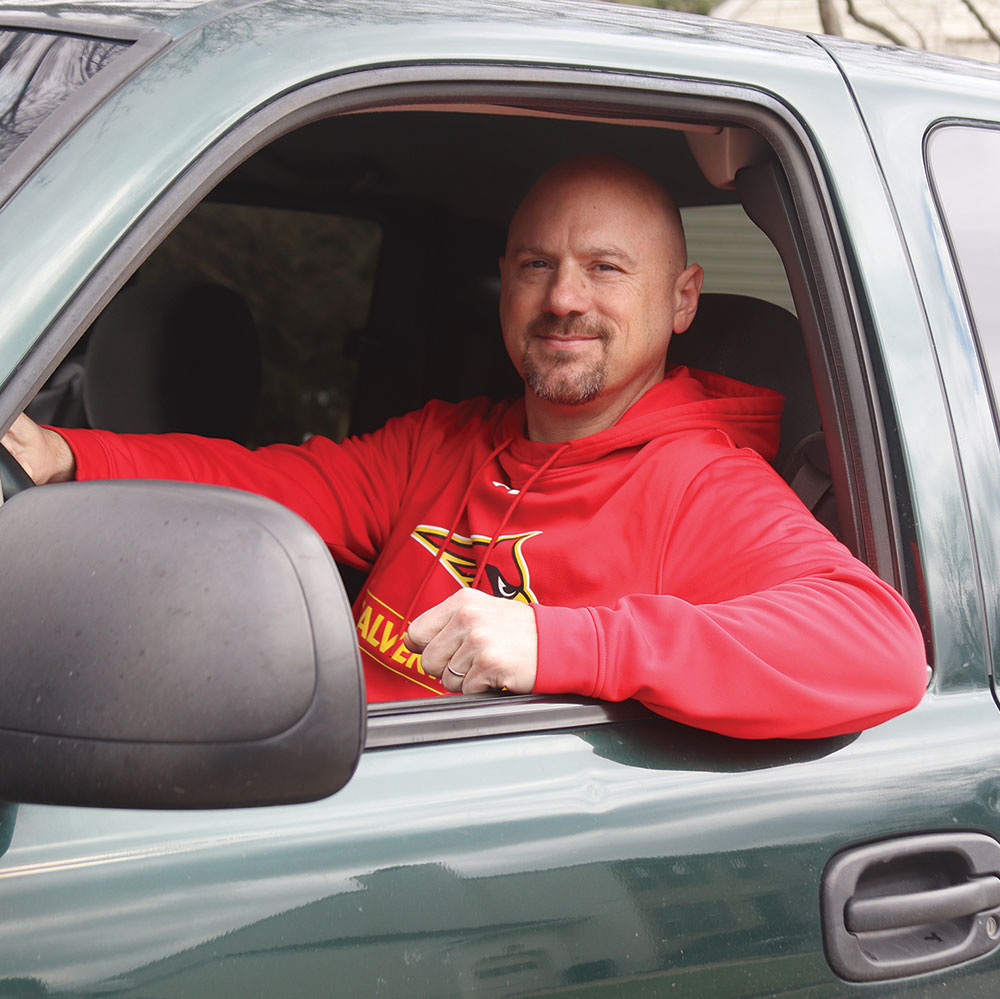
(687, 400)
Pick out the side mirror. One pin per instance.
(166, 645)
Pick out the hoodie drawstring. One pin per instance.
(502, 446)
(544, 467)
(439, 554)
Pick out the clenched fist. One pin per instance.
(475, 642)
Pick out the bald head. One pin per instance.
(594, 283)
(607, 178)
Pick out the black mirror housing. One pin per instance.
(167, 645)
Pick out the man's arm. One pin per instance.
(346, 491)
(350, 491)
(41, 452)
(780, 631)
(815, 657)
(314, 481)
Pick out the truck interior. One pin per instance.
(346, 272)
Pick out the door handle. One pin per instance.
(921, 908)
(906, 906)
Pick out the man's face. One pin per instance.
(590, 291)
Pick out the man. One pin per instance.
(643, 546)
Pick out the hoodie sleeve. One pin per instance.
(765, 626)
(348, 491)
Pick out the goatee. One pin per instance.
(563, 378)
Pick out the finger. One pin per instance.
(14, 443)
(439, 655)
(461, 670)
(12, 440)
(42, 453)
(22, 431)
(436, 635)
(454, 679)
(425, 627)
(482, 669)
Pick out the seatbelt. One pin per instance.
(808, 471)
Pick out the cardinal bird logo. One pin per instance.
(506, 571)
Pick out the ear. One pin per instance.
(687, 289)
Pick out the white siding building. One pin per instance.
(948, 26)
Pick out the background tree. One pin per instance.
(835, 14)
(688, 6)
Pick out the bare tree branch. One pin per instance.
(829, 19)
(982, 20)
(874, 26)
(920, 37)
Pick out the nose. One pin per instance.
(568, 291)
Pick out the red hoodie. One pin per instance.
(663, 557)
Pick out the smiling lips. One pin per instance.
(567, 332)
(565, 343)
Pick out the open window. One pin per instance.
(352, 241)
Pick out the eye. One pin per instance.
(535, 264)
(606, 268)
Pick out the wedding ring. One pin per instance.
(455, 671)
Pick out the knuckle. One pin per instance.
(467, 597)
(480, 639)
(467, 617)
(487, 658)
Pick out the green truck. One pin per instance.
(309, 196)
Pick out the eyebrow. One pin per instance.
(612, 253)
(531, 251)
(601, 252)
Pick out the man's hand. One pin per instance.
(42, 453)
(476, 642)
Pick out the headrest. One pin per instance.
(166, 357)
(758, 342)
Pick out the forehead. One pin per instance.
(599, 208)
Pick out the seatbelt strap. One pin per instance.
(810, 484)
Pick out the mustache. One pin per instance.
(569, 326)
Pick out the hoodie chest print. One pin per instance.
(505, 570)
(382, 627)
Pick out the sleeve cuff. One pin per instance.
(93, 459)
(571, 655)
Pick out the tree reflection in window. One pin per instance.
(38, 71)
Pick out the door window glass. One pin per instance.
(965, 163)
(307, 279)
(38, 71)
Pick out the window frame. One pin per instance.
(833, 327)
(968, 395)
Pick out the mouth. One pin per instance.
(555, 342)
(566, 333)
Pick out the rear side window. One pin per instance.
(964, 162)
(38, 71)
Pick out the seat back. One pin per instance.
(168, 357)
(758, 342)
(761, 343)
